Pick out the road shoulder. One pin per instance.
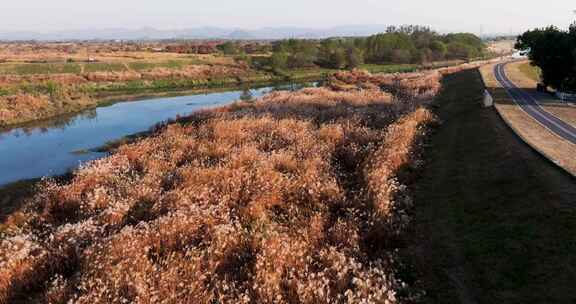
(553, 147)
(555, 106)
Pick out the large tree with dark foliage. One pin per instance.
(554, 51)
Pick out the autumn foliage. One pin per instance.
(299, 197)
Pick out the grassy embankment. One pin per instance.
(530, 71)
(496, 222)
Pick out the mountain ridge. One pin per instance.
(206, 32)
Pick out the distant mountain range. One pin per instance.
(196, 33)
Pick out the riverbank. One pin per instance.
(51, 147)
(70, 139)
(59, 99)
(50, 98)
(496, 222)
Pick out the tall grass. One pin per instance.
(41, 100)
(530, 71)
(298, 197)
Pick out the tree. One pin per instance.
(279, 60)
(396, 47)
(301, 53)
(338, 59)
(553, 50)
(301, 60)
(423, 37)
(464, 46)
(401, 56)
(228, 48)
(459, 50)
(354, 58)
(438, 49)
(405, 44)
(326, 52)
(425, 55)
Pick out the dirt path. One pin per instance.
(496, 223)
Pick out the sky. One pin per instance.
(478, 16)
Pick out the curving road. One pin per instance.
(529, 103)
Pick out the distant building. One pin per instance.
(521, 54)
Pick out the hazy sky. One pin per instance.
(444, 15)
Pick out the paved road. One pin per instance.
(528, 102)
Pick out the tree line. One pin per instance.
(554, 51)
(398, 45)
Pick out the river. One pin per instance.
(59, 145)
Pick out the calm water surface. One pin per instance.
(52, 147)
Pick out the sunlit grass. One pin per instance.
(530, 71)
(39, 68)
(296, 197)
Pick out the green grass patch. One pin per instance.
(170, 64)
(389, 68)
(39, 68)
(530, 71)
(104, 67)
(5, 91)
(142, 66)
(76, 68)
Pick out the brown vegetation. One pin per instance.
(22, 107)
(188, 72)
(408, 85)
(295, 198)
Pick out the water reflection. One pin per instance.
(43, 126)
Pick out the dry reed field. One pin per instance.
(31, 97)
(298, 197)
(185, 71)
